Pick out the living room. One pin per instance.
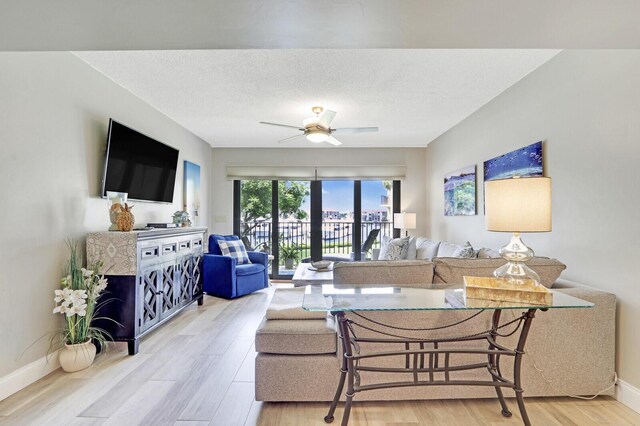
(62, 80)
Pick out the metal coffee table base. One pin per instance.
(423, 361)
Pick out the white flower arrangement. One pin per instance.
(78, 298)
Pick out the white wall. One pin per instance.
(413, 196)
(585, 106)
(54, 111)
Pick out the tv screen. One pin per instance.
(139, 165)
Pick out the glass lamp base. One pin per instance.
(515, 271)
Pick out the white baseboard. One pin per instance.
(23, 377)
(628, 394)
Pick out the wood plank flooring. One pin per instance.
(199, 370)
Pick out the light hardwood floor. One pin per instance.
(199, 370)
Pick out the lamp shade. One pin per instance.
(404, 220)
(518, 205)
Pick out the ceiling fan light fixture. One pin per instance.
(311, 121)
(317, 136)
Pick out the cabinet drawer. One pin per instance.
(168, 249)
(197, 243)
(147, 253)
(184, 245)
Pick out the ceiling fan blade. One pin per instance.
(281, 125)
(290, 138)
(326, 118)
(333, 141)
(355, 130)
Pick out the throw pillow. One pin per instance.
(394, 249)
(446, 249)
(426, 248)
(487, 253)
(412, 249)
(234, 248)
(467, 252)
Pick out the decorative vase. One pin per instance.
(115, 202)
(288, 263)
(78, 356)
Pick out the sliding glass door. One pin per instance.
(300, 221)
(294, 226)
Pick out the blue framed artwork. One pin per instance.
(460, 192)
(523, 162)
(191, 191)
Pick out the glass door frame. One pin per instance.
(315, 219)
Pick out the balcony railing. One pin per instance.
(337, 236)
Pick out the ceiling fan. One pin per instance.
(318, 129)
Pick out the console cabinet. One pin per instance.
(152, 275)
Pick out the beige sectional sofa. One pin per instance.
(298, 358)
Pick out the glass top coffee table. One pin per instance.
(425, 357)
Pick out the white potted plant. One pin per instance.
(290, 254)
(77, 300)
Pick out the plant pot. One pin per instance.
(78, 356)
(288, 264)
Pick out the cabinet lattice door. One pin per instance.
(185, 280)
(149, 314)
(169, 284)
(196, 274)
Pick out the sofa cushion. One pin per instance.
(296, 337)
(286, 304)
(451, 270)
(446, 249)
(487, 253)
(249, 269)
(407, 273)
(394, 248)
(426, 248)
(411, 249)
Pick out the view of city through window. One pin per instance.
(295, 217)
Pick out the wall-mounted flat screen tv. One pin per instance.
(139, 165)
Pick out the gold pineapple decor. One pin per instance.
(125, 219)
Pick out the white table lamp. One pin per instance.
(518, 205)
(404, 221)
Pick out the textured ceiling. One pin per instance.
(413, 96)
(230, 24)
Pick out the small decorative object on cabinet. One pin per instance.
(152, 275)
(115, 201)
(125, 219)
(181, 218)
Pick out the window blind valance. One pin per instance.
(316, 172)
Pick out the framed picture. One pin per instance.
(523, 162)
(191, 191)
(460, 192)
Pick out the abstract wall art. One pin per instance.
(460, 192)
(191, 191)
(523, 162)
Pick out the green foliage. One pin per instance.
(89, 284)
(255, 201)
(465, 197)
(290, 251)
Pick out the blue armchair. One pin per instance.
(223, 277)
